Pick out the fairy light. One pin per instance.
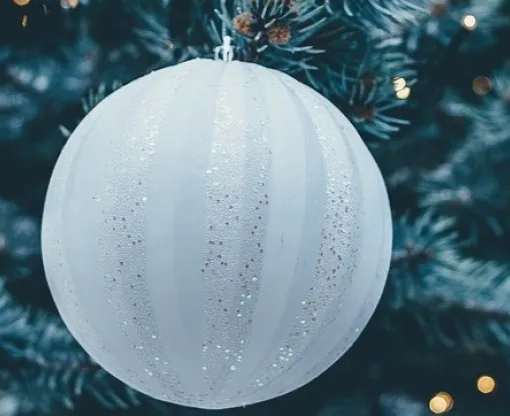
(24, 21)
(469, 22)
(441, 403)
(404, 93)
(486, 384)
(399, 83)
(481, 85)
(21, 2)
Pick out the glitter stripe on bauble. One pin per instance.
(222, 230)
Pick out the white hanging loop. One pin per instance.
(226, 50)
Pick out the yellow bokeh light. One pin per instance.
(469, 22)
(399, 83)
(21, 2)
(404, 93)
(486, 384)
(441, 403)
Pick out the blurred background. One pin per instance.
(427, 85)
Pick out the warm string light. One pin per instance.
(469, 22)
(24, 19)
(486, 384)
(65, 4)
(399, 83)
(441, 403)
(402, 91)
(482, 85)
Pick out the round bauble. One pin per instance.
(216, 234)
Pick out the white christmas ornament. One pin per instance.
(216, 234)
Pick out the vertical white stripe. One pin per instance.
(235, 218)
(176, 224)
(238, 210)
(59, 277)
(81, 216)
(350, 317)
(366, 309)
(334, 257)
(125, 246)
(296, 190)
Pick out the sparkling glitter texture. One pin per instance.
(216, 234)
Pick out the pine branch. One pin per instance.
(19, 242)
(490, 118)
(329, 52)
(36, 80)
(152, 28)
(472, 184)
(174, 31)
(474, 192)
(370, 101)
(397, 403)
(457, 302)
(47, 369)
(407, 158)
(418, 246)
(287, 33)
(385, 15)
(440, 24)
